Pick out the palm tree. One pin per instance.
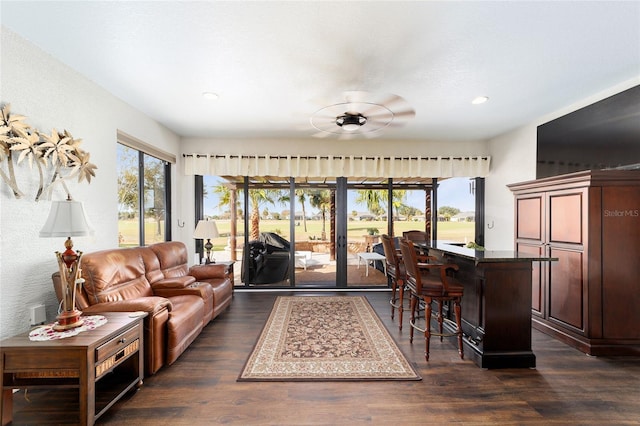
(398, 198)
(227, 196)
(258, 198)
(321, 199)
(374, 199)
(302, 197)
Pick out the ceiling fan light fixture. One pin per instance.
(351, 122)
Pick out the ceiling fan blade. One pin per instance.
(381, 115)
(326, 127)
(369, 110)
(321, 135)
(323, 118)
(387, 98)
(404, 115)
(372, 134)
(397, 123)
(326, 113)
(348, 135)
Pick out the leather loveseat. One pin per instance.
(156, 279)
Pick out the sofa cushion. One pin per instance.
(112, 275)
(172, 259)
(184, 325)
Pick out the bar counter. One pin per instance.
(496, 305)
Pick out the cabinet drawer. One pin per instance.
(117, 358)
(117, 343)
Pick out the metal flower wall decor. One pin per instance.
(56, 156)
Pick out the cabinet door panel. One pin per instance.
(565, 221)
(537, 303)
(566, 282)
(620, 262)
(472, 300)
(529, 217)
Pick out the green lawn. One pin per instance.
(455, 231)
(128, 232)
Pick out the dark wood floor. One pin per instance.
(567, 387)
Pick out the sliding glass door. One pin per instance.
(283, 233)
(367, 219)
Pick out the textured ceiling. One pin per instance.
(274, 64)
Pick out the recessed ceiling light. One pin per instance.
(210, 96)
(480, 100)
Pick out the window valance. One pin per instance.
(335, 166)
(139, 145)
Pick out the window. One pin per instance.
(143, 197)
(456, 210)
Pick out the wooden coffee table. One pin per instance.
(104, 364)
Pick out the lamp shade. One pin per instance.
(66, 219)
(206, 229)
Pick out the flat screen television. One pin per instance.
(603, 135)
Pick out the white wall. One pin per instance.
(51, 95)
(513, 159)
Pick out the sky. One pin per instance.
(455, 193)
(451, 192)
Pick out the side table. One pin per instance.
(370, 257)
(230, 272)
(104, 364)
(228, 264)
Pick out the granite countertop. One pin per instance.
(485, 256)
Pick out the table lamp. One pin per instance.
(205, 230)
(68, 219)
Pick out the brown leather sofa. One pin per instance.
(155, 279)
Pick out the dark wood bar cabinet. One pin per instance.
(590, 221)
(496, 305)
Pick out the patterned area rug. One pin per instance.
(325, 338)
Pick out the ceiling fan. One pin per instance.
(361, 113)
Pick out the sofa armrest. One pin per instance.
(212, 270)
(197, 289)
(173, 283)
(150, 305)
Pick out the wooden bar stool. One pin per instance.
(429, 282)
(395, 273)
